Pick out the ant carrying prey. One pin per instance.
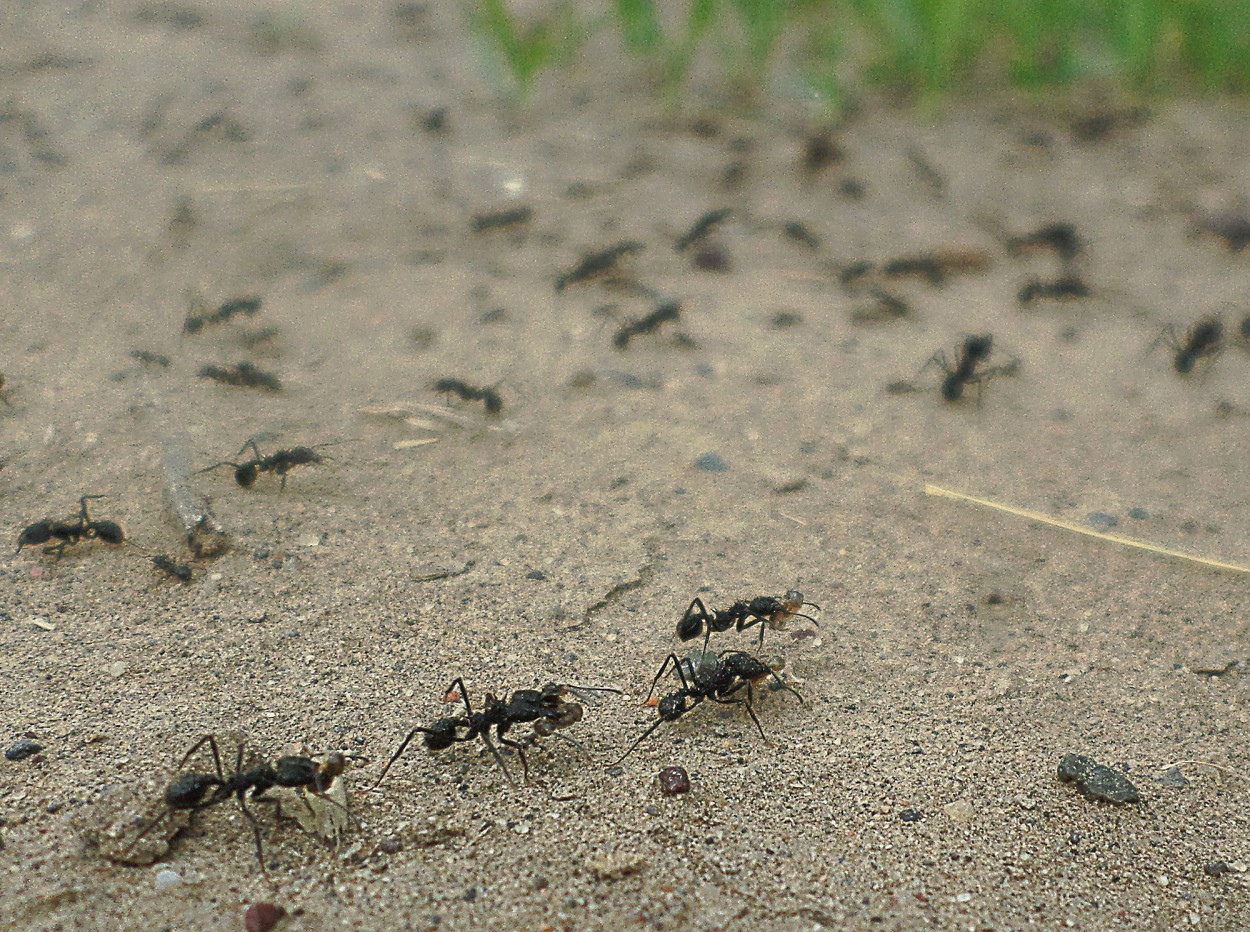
(764, 610)
(191, 791)
(1203, 340)
(70, 532)
(280, 463)
(546, 708)
(721, 681)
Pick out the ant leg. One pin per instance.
(940, 359)
(403, 746)
(744, 702)
(218, 466)
(260, 851)
(464, 693)
(671, 658)
(82, 504)
(516, 746)
(1168, 336)
(251, 442)
(143, 834)
(498, 757)
(211, 741)
(641, 738)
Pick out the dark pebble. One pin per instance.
(711, 462)
(470, 894)
(261, 917)
(711, 257)
(21, 750)
(390, 845)
(674, 781)
(1097, 781)
(536, 574)
(1102, 520)
(910, 814)
(1216, 869)
(1138, 514)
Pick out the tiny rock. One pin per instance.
(117, 668)
(674, 781)
(261, 917)
(960, 811)
(166, 879)
(20, 750)
(1096, 781)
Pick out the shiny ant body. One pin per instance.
(721, 681)
(764, 610)
(280, 463)
(191, 791)
(489, 397)
(1203, 340)
(70, 532)
(969, 356)
(546, 708)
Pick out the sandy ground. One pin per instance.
(156, 154)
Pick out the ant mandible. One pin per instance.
(764, 610)
(720, 681)
(280, 463)
(70, 532)
(545, 707)
(191, 791)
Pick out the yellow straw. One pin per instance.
(1077, 529)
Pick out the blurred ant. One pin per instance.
(242, 375)
(191, 791)
(232, 308)
(1202, 340)
(489, 397)
(1068, 285)
(668, 311)
(280, 463)
(597, 264)
(973, 352)
(719, 680)
(764, 610)
(70, 532)
(545, 707)
(502, 219)
(1061, 237)
(701, 229)
(179, 571)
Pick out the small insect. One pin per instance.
(668, 311)
(192, 791)
(1061, 237)
(938, 265)
(798, 232)
(546, 708)
(232, 308)
(179, 571)
(720, 679)
(1203, 340)
(820, 151)
(971, 354)
(280, 463)
(502, 219)
(243, 375)
(598, 264)
(70, 532)
(489, 397)
(149, 358)
(885, 307)
(765, 610)
(701, 228)
(1069, 285)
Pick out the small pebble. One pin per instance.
(1216, 869)
(391, 844)
(536, 574)
(261, 917)
(910, 814)
(166, 879)
(959, 811)
(20, 750)
(117, 668)
(674, 781)
(1102, 520)
(1138, 514)
(711, 462)
(1097, 781)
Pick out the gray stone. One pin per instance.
(1096, 781)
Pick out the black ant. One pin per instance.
(242, 375)
(191, 791)
(179, 571)
(973, 352)
(70, 532)
(502, 219)
(232, 308)
(1068, 285)
(701, 228)
(764, 610)
(668, 311)
(596, 264)
(1061, 237)
(1202, 340)
(545, 707)
(719, 680)
(489, 397)
(280, 463)
(148, 358)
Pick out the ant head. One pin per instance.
(441, 735)
(245, 475)
(187, 790)
(108, 531)
(979, 346)
(38, 533)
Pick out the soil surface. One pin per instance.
(158, 159)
